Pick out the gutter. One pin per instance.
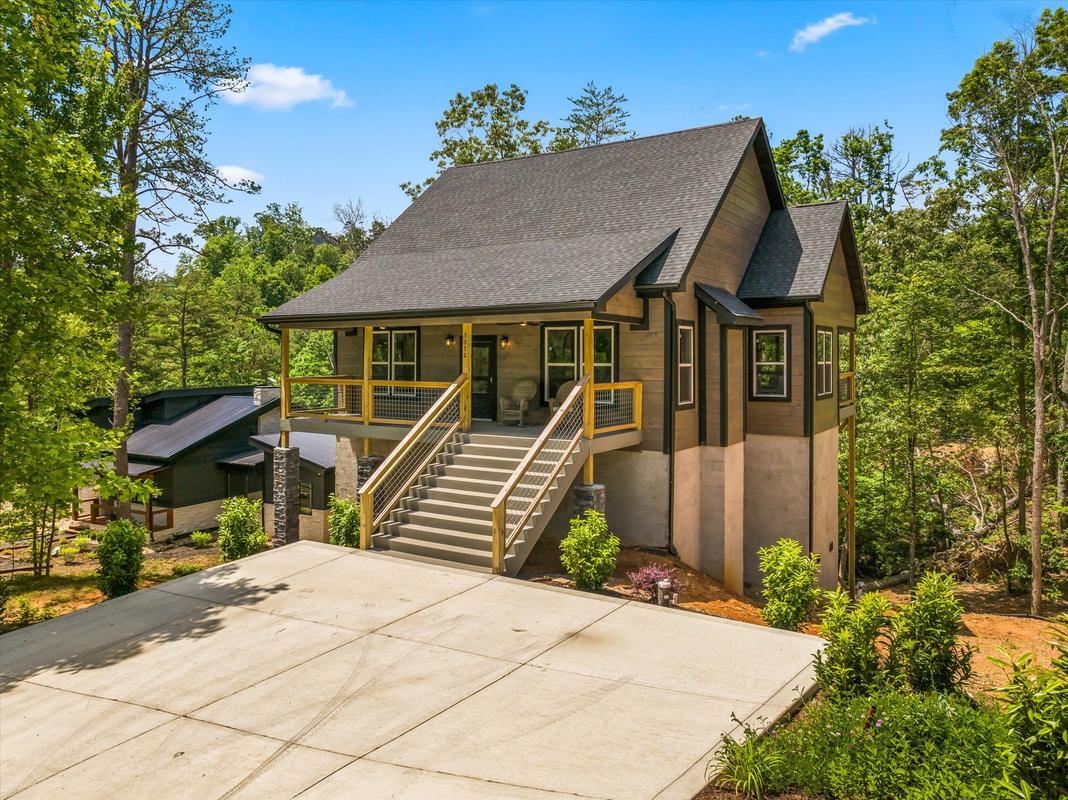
(669, 413)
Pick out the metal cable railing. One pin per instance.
(409, 459)
(518, 499)
(617, 406)
(324, 396)
(403, 401)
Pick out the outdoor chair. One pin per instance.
(517, 407)
(561, 396)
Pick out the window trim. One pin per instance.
(577, 329)
(390, 334)
(787, 333)
(311, 498)
(818, 366)
(680, 325)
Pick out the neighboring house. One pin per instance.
(185, 440)
(317, 455)
(682, 342)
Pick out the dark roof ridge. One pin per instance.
(607, 144)
(820, 203)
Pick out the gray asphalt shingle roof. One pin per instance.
(794, 253)
(166, 440)
(551, 229)
(315, 448)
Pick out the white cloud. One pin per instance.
(812, 33)
(234, 175)
(274, 88)
(762, 53)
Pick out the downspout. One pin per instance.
(806, 408)
(669, 413)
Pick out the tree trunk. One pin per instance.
(913, 533)
(1038, 478)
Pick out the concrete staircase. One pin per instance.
(446, 516)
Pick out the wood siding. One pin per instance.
(782, 417)
(836, 309)
(641, 357)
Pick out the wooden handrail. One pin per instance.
(367, 501)
(497, 507)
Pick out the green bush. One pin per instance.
(27, 614)
(181, 570)
(886, 746)
(589, 551)
(200, 539)
(344, 521)
(240, 531)
(81, 543)
(924, 652)
(121, 554)
(790, 589)
(746, 766)
(850, 664)
(1036, 706)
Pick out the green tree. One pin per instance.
(486, 125)
(166, 59)
(1010, 136)
(597, 116)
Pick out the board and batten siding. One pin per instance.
(721, 260)
(835, 309)
(782, 417)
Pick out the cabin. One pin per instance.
(642, 327)
(189, 442)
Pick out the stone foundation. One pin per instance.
(365, 467)
(589, 495)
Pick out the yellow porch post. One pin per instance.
(465, 368)
(587, 395)
(283, 388)
(368, 399)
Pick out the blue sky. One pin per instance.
(353, 115)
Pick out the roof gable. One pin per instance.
(793, 257)
(552, 229)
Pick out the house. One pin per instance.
(670, 341)
(317, 455)
(186, 441)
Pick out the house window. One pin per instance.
(685, 365)
(824, 362)
(394, 355)
(305, 498)
(562, 356)
(769, 363)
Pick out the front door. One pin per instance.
(484, 377)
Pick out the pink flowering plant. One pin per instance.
(645, 579)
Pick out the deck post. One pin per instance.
(498, 538)
(465, 369)
(367, 401)
(283, 389)
(587, 396)
(367, 513)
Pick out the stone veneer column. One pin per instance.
(286, 496)
(589, 495)
(365, 467)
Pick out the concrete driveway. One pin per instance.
(320, 672)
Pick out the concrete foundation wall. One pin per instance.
(688, 532)
(636, 484)
(268, 423)
(825, 504)
(348, 450)
(776, 495)
(312, 526)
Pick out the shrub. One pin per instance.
(121, 554)
(790, 589)
(240, 531)
(1036, 706)
(850, 664)
(181, 570)
(81, 543)
(589, 551)
(924, 651)
(646, 578)
(344, 521)
(200, 539)
(27, 614)
(885, 746)
(746, 766)
(69, 554)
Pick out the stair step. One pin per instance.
(440, 562)
(452, 507)
(435, 535)
(450, 522)
(463, 458)
(478, 473)
(447, 552)
(506, 450)
(511, 441)
(465, 483)
(450, 495)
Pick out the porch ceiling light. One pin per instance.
(450, 340)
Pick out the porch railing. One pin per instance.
(617, 406)
(410, 458)
(846, 388)
(342, 397)
(518, 499)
